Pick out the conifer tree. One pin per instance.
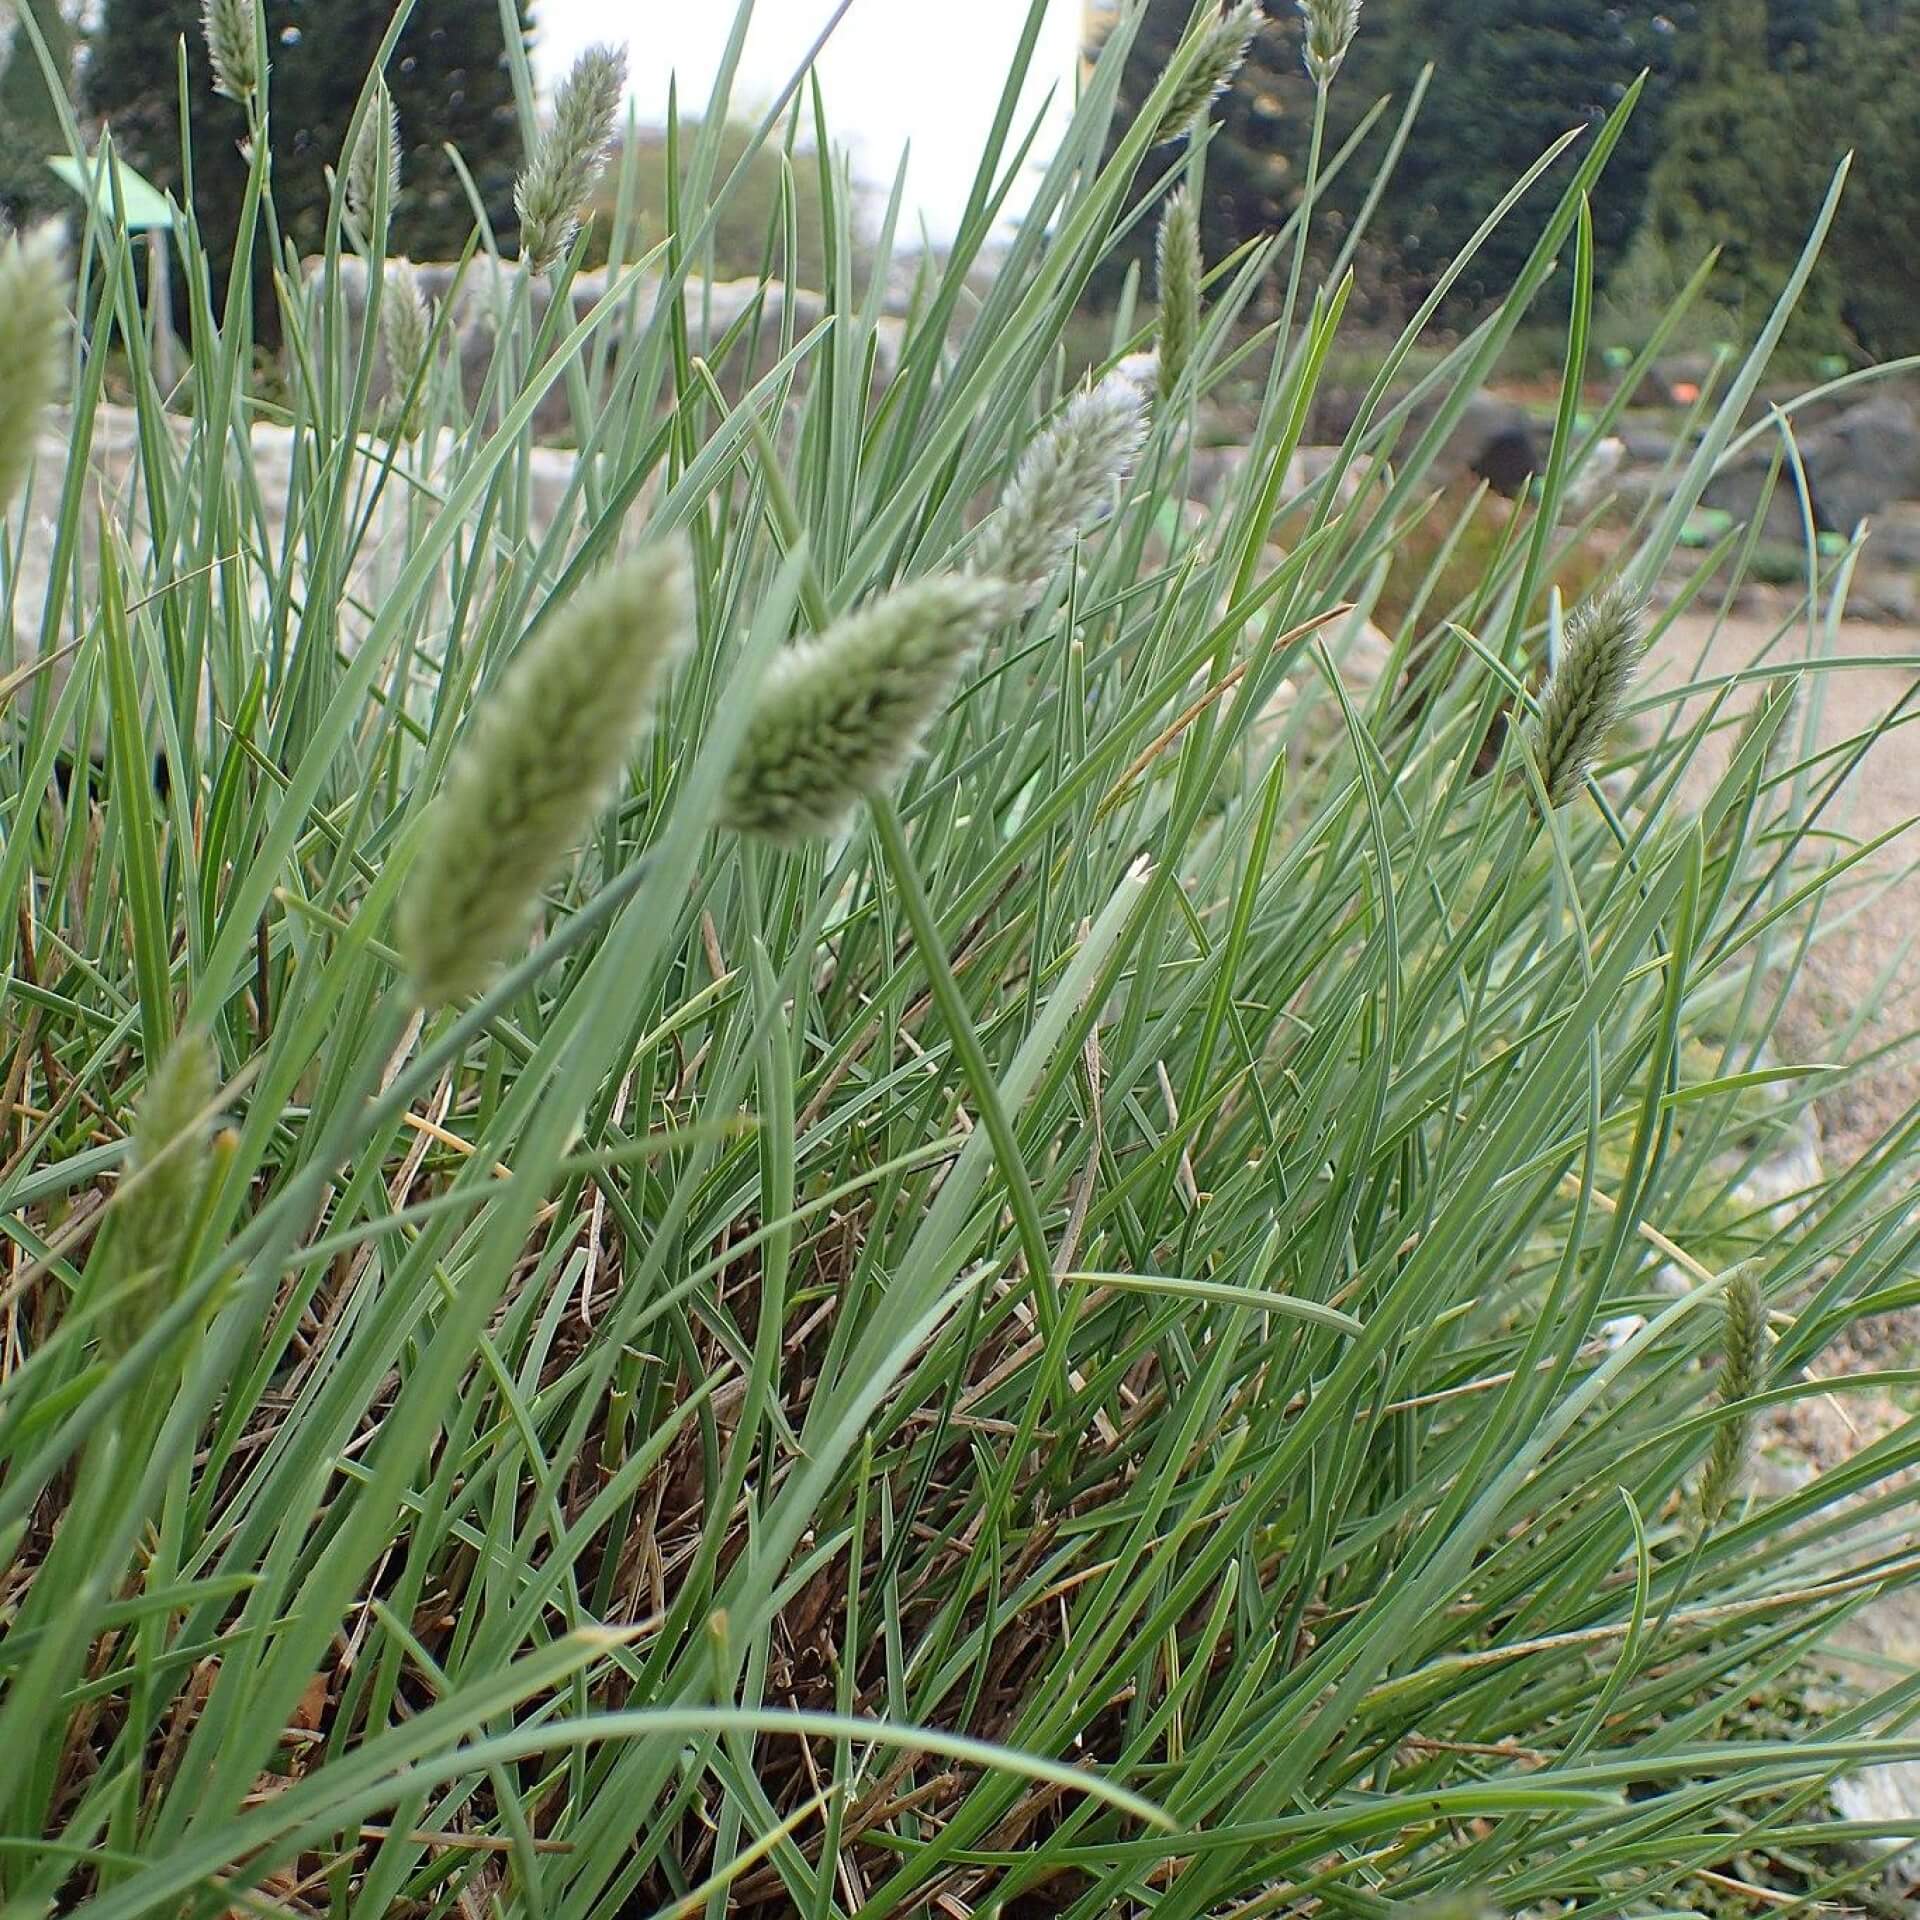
(1510, 77)
(29, 125)
(449, 80)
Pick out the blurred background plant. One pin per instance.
(772, 185)
(1749, 106)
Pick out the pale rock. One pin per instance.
(115, 496)
(1891, 1795)
(482, 296)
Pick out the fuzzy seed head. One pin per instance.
(1068, 474)
(33, 320)
(406, 337)
(168, 1169)
(1782, 697)
(1581, 703)
(1331, 26)
(1180, 267)
(552, 192)
(1218, 50)
(841, 716)
(1742, 1372)
(231, 47)
(540, 757)
(375, 156)
(1447, 1906)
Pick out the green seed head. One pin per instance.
(1331, 26)
(231, 47)
(1217, 52)
(1180, 268)
(1446, 1906)
(539, 759)
(841, 716)
(1782, 697)
(552, 193)
(1581, 703)
(375, 156)
(1742, 1373)
(406, 337)
(33, 318)
(167, 1175)
(1064, 479)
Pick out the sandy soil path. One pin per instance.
(1881, 796)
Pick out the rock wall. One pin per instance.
(478, 298)
(251, 533)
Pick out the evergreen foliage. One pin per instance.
(450, 81)
(1749, 106)
(29, 124)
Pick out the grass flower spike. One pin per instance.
(1180, 267)
(1331, 26)
(1220, 48)
(375, 154)
(33, 314)
(1064, 478)
(231, 47)
(406, 337)
(1580, 705)
(1780, 697)
(537, 764)
(1741, 1372)
(552, 193)
(840, 716)
(167, 1170)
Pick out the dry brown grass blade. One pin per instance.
(12, 682)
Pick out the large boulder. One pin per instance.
(1887, 582)
(1862, 462)
(1494, 440)
(1858, 464)
(1740, 490)
(1896, 538)
(1332, 413)
(1213, 472)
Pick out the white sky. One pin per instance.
(928, 72)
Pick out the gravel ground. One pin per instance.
(1845, 970)
(1874, 956)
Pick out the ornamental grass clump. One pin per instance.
(1582, 701)
(536, 764)
(551, 195)
(840, 716)
(33, 325)
(1096, 1343)
(1070, 472)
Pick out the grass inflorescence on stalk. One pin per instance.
(909, 1215)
